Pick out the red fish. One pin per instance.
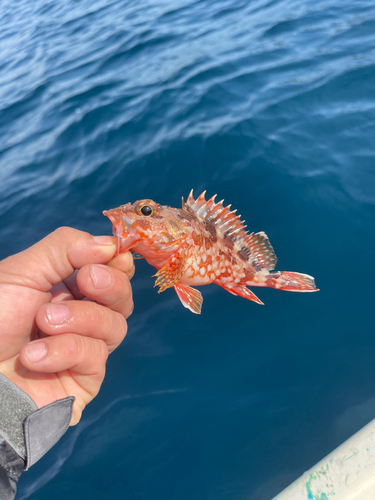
(203, 242)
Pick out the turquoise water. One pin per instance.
(269, 104)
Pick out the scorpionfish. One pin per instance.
(203, 242)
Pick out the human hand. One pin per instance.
(70, 320)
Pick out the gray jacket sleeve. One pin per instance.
(26, 432)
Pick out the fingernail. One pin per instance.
(57, 313)
(35, 351)
(101, 277)
(104, 240)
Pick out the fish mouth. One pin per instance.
(122, 228)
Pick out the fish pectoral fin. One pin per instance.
(170, 274)
(190, 297)
(136, 255)
(242, 291)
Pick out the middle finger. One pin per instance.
(108, 286)
(83, 318)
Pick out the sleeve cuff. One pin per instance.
(29, 430)
(45, 426)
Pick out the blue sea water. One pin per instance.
(271, 105)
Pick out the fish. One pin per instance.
(200, 243)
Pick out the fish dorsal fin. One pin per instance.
(254, 248)
(261, 250)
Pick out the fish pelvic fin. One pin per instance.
(170, 274)
(241, 291)
(190, 297)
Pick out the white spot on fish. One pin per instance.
(189, 273)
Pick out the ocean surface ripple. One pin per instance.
(270, 104)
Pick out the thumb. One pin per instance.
(55, 258)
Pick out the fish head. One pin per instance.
(147, 228)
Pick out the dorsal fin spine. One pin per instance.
(200, 203)
(214, 212)
(190, 199)
(225, 220)
(225, 223)
(201, 197)
(235, 227)
(231, 226)
(199, 211)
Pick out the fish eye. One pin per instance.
(146, 210)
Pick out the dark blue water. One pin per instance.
(270, 104)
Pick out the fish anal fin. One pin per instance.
(190, 297)
(241, 291)
(171, 273)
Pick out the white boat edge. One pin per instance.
(348, 473)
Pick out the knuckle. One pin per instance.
(101, 350)
(124, 282)
(122, 294)
(110, 320)
(123, 326)
(103, 316)
(65, 233)
(130, 308)
(127, 292)
(86, 349)
(74, 347)
(117, 331)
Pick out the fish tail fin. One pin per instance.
(292, 282)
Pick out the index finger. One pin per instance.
(55, 258)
